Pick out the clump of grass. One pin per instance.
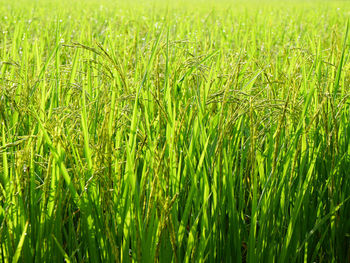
(182, 132)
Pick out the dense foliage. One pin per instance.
(195, 131)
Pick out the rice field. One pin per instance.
(185, 131)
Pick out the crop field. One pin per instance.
(174, 131)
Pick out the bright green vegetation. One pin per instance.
(194, 132)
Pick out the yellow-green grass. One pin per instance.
(189, 131)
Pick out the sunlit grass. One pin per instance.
(193, 131)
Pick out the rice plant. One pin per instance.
(186, 131)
